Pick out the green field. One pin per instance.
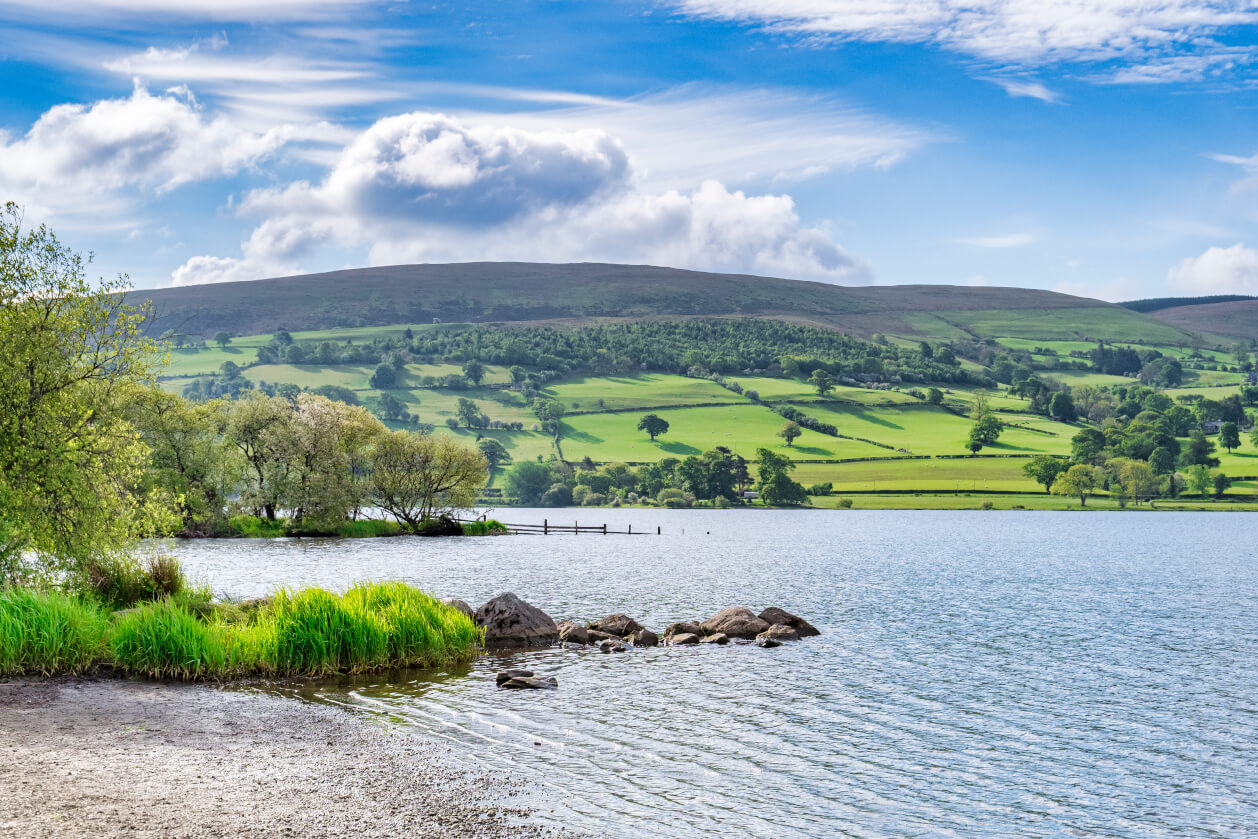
(645, 390)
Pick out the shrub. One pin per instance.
(162, 640)
(821, 489)
(557, 496)
(987, 505)
(46, 633)
(254, 527)
(121, 581)
(845, 503)
(490, 527)
(671, 497)
(581, 492)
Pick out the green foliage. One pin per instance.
(418, 477)
(654, 425)
(489, 527)
(1079, 480)
(790, 432)
(776, 487)
(161, 640)
(256, 527)
(338, 394)
(122, 580)
(821, 489)
(385, 377)
(1229, 436)
(367, 528)
(315, 632)
(495, 452)
(528, 481)
(1044, 469)
(48, 633)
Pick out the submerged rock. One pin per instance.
(715, 638)
(510, 622)
(683, 639)
(682, 627)
(455, 603)
(736, 622)
(617, 624)
(643, 638)
(612, 646)
(596, 636)
(779, 632)
(530, 683)
(573, 633)
(774, 615)
(768, 643)
(505, 676)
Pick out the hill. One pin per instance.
(512, 292)
(1234, 318)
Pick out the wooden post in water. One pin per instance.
(576, 527)
(604, 528)
(545, 527)
(657, 530)
(631, 530)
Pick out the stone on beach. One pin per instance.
(774, 615)
(510, 622)
(736, 622)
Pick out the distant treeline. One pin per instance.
(1155, 304)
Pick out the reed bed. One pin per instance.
(48, 633)
(163, 640)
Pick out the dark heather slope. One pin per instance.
(492, 292)
(1234, 319)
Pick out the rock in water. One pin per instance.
(767, 643)
(779, 632)
(530, 683)
(617, 624)
(736, 622)
(573, 633)
(683, 639)
(682, 627)
(643, 638)
(595, 636)
(510, 622)
(717, 638)
(774, 615)
(455, 603)
(612, 646)
(505, 676)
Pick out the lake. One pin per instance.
(978, 673)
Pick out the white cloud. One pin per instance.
(145, 141)
(235, 10)
(1027, 88)
(1001, 31)
(1000, 242)
(427, 187)
(1231, 270)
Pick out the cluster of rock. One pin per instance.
(509, 622)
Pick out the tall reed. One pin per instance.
(48, 633)
(162, 640)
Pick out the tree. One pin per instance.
(1137, 478)
(1062, 407)
(934, 396)
(1086, 446)
(474, 370)
(527, 481)
(1080, 480)
(385, 377)
(257, 426)
(1221, 483)
(985, 431)
(223, 339)
(1162, 461)
(324, 452)
(790, 432)
(390, 406)
(1044, 469)
(1199, 451)
(822, 381)
(1200, 478)
(776, 487)
(70, 463)
(417, 477)
(467, 412)
(654, 425)
(1229, 436)
(495, 452)
(1253, 437)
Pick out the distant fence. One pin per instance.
(548, 528)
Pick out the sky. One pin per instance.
(1106, 148)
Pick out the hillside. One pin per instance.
(506, 292)
(1235, 319)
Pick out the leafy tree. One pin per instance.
(1062, 407)
(1044, 469)
(257, 426)
(559, 495)
(282, 338)
(1086, 446)
(1229, 436)
(1080, 480)
(495, 452)
(474, 370)
(1200, 478)
(1221, 483)
(1137, 478)
(1162, 461)
(934, 396)
(295, 354)
(467, 412)
(223, 339)
(321, 446)
(417, 477)
(790, 432)
(385, 377)
(822, 381)
(1200, 450)
(70, 464)
(390, 406)
(654, 425)
(337, 393)
(776, 487)
(985, 431)
(527, 481)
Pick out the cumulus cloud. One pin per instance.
(145, 141)
(427, 187)
(1231, 270)
(1003, 31)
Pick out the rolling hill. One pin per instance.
(510, 292)
(1234, 318)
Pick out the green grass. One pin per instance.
(1030, 501)
(1082, 323)
(741, 428)
(638, 391)
(162, 640)
(928, 475)
(48, 633)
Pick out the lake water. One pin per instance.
(979, 673)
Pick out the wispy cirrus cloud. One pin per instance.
(1025, 88)
(1002, 241)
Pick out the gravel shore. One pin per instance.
(112, 758)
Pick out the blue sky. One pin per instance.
(1099, 147)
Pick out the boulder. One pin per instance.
(683, 639)
(612, 646)
(455, 603)
(596, 636)
(779, 632)
(617, 624)
(530, 683)
(774, 615)
(736, 622)
(573, 632)
(768, 643)
(717, 638)
(505, 676)
(510, 622)
(684, 626)
(643, 638)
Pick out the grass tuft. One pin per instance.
(163, 640)
(48, 633)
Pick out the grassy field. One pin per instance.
(645, 390)
(1067, 324)
(1030, 501)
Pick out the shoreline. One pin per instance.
(95, 757)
